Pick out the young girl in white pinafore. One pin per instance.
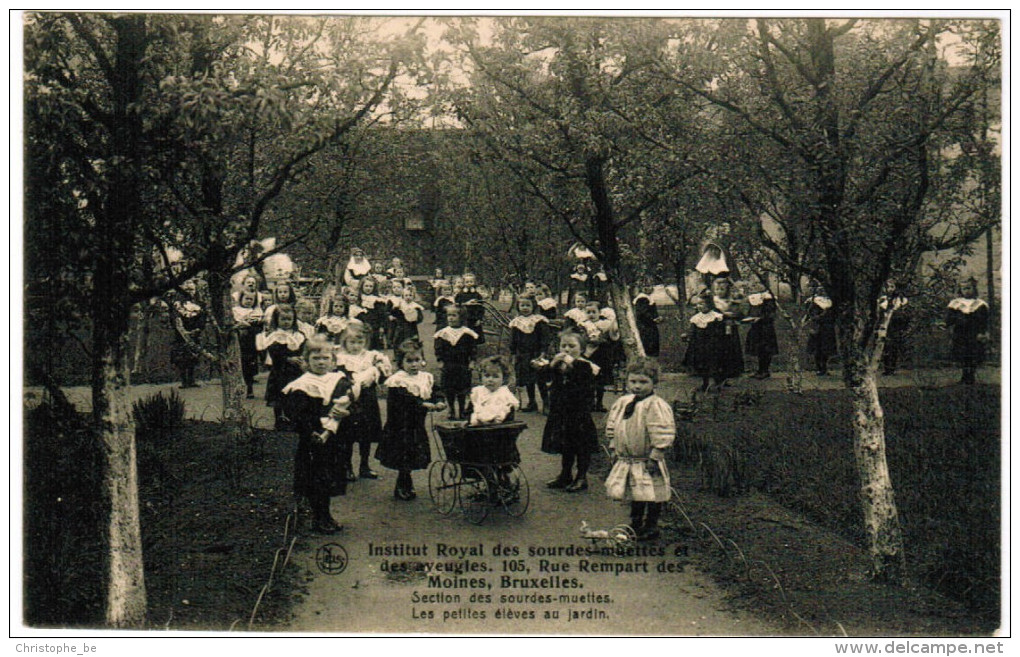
(640, 428)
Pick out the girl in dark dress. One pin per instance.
(282, 343)
(547, 305)
(375, 308)
(967, 316)
(570, 431)
(705, 334)
(366, 367)
(444, 299)
(603, 335)
(822, 341)
(247, 323)
(731, 355)
(528, 338)
(470, 300)
(647, 317)
(410, 397)
(188, 320)
(311, 403)
(761, 338)
(455, 349)
(407, 315)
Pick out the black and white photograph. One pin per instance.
(483, 324)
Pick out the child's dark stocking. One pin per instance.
(532, 401)
(637, 515)
(764, 363)
(599, 393)
(581, 480)
(705, 383)
(462, 405)
(405, 486)
(364, 470)
(566, 469)
(543, 392)
(650, 528)
(322, 521)
(347, 460)
(279, 419)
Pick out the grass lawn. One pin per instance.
(747, 462)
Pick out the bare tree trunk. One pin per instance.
(878, 502)
(125, 580)
(630, 337)
(228, 358)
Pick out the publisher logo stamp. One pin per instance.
(331, 559)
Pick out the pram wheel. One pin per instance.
(443, 482)
(513, 492)
(475, 492)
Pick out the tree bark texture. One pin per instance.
(878, 502)
(111, 311)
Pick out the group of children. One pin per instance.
(326, 372)
(325, 375)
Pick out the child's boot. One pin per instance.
(650, 530)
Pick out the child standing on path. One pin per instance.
(282, 343)
(704, 336)
(366, 367)
(455, 349)
(761, 338)
(640, 428)
(247, 322)
(405, 443)
(570, 431)
(968, 317)
(527, 342)
(318, 469)
(406, 317)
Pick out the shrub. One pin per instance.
(157, 418)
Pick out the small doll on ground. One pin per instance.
(316, 401)
(492, 402)
(640, 428)
(967, 316)
(248, 323)
(405, 443)
(455, 349)
(528, 338)
(704, 336)
(282, 343)
(570, 431)
(366, 367)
